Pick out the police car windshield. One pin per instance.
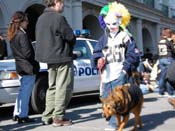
(93, 43)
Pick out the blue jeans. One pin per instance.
(108, 87)
(21, 108)
(164, 85)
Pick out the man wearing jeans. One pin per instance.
(116, 52)
(55, 41)
(165, 59)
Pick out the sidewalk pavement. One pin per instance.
(157, 115)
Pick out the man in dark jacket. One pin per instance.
(55, 41)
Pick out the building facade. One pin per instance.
(148, 17)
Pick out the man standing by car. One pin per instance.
(55, 41)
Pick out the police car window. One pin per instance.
(81, 46)
(93, 43)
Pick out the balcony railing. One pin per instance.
(149, 3)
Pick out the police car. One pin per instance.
(86, 80)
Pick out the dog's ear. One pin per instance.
(120, 93)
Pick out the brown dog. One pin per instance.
(121, 101)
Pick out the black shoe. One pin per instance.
(15, 118)
(25, 120)
(50, 121)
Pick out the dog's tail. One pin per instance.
(136, 78)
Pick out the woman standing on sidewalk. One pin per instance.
(26, 66)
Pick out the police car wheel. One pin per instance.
(39, 93)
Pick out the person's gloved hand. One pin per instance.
(101, 63)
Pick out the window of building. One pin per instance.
(149, 3)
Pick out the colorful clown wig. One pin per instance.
(103, 13)
(119, 10)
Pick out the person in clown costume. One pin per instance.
(116, 54)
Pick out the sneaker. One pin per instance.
(63, 122)
(172, 101)
(162, 95)
(110, 128)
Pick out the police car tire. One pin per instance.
(39, 93)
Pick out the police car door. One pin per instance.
(86, 77)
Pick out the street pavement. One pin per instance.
(157, 115)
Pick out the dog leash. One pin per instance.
(100, 68)
(101, 84)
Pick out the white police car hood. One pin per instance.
(7, 65)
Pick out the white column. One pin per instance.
(68, 11)
(157, 37)
(139, 34)
(77, 14)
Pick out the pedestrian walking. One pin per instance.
(116, 54)
(165, 59)
(26, 66)
(55, 41)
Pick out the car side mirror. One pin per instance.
(77, 54)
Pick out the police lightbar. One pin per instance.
(82, 33)
(77, 33)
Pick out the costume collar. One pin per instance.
(113, 35)
(22, 29)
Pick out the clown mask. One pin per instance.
(113, 22)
